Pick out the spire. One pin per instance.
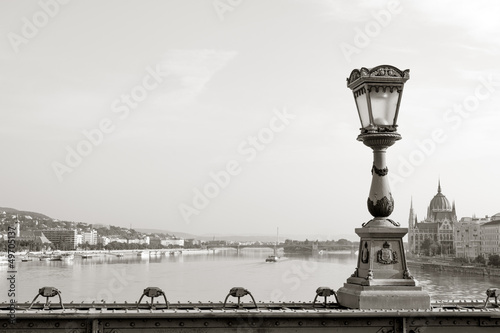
(439, 185)
(411, 217)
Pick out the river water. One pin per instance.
(208, 276)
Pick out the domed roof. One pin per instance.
(439, 202)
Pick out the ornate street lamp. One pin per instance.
(381, 279)
(377, 93)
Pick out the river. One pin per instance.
(208, 276)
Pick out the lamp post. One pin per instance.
(381, 279)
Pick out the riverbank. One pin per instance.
(35, 255)
(452, 267)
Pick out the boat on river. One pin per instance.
(274, 257)
(49, 257)
(67, 256)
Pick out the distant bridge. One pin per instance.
(243, 246)
(314, 247)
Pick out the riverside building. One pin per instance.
(467, 238)
(490, 236)
(437, 226)
(63, 239)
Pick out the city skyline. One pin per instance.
(234, 117)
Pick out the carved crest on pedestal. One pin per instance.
(386, 255)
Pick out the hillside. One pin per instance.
(35, 221)
(24, 212)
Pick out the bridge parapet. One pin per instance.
(456, 316)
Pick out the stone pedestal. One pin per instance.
(382, 279)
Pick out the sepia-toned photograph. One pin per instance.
(249, 166)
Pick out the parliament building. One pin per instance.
(438, 226)
(468, 238)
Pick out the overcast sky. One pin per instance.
(233, 117)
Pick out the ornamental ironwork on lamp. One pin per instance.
(377, 93)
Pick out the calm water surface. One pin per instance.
(208, 276)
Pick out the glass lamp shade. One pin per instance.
(384, 104)
(377, 93)
(362, 102)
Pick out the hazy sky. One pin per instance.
(124, 112)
